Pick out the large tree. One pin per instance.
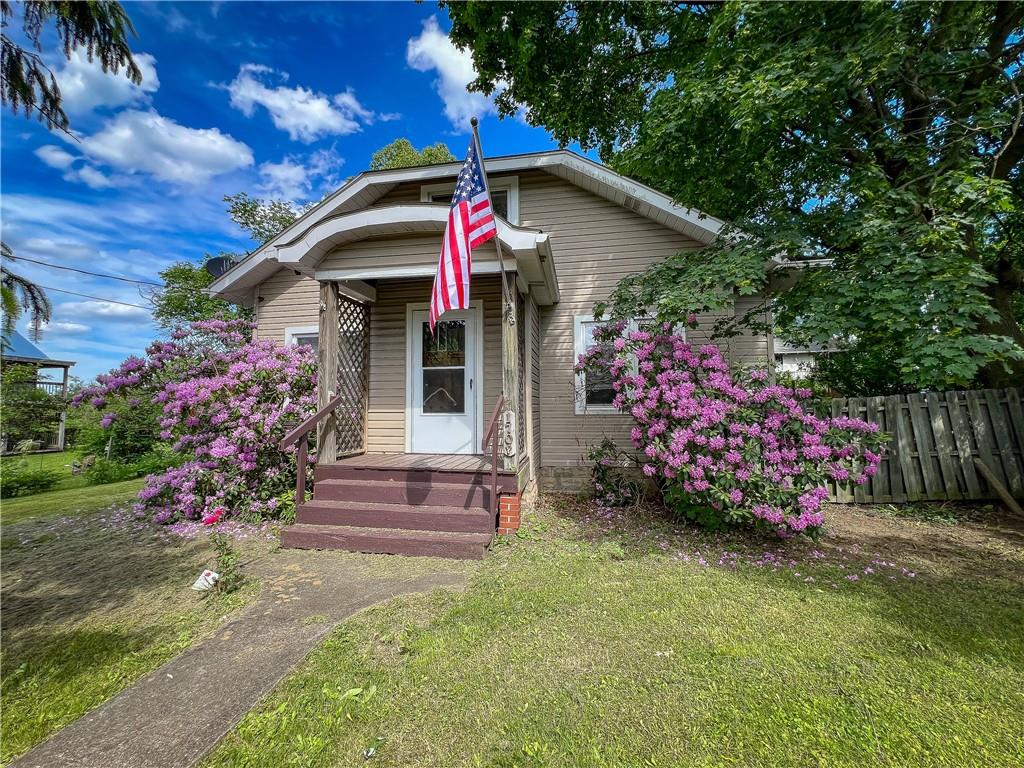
(101, 29)
(183, 298)
(881, 142)
(402, 154)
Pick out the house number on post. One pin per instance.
(507, 430)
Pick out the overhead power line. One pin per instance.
(87, 272)
(94, 298)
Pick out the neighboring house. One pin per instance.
(354, 274)
(797, 361)
(17, 350)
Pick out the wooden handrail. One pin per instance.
(488, 433)
(293, 437)
(491, 437)
(300, 435)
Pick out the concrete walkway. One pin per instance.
(176, 715)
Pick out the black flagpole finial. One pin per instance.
(474, 122)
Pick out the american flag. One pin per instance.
(470, 223)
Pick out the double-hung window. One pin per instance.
(306, 335)
(594, 392)
(504, 196)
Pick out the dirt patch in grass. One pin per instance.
(984, 543)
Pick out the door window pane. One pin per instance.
(446, 347)
(444, 390)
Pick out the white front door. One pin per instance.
(444, 383)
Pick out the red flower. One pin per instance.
(214, 517)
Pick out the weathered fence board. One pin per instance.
(936, 438)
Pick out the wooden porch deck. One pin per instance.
(442, 462)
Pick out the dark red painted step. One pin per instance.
(375, 515)
(506, 480)
(390, 492)
(390, 541)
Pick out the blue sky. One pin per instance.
(275, 99)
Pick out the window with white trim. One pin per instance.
(504, 196)
(306, 335)
(594, 392)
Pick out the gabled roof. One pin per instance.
(20, 349)
(365, 189)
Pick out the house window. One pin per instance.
(594, 392)
(504, 197)
(307, 335)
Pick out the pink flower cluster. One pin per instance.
(728, 448)
(225, 403)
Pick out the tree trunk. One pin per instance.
(1003, 291)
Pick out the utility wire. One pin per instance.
(87, 272)
(94, 298)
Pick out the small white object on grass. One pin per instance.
(207, 580)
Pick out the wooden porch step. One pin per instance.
(506, 480)
(387, 541)
(421, 517)
(415, 493)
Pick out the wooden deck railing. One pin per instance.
(491, 436)
(300, 435)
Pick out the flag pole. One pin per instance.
(510, 308)
(510, 379)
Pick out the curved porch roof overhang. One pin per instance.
(527, 251)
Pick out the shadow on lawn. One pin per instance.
(954, 586)
(72, 653)
(65, 570)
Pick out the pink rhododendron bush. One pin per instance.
(728, 448)
(225, 403)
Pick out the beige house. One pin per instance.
(354, 274)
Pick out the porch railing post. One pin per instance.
(327, 382)
(300, 475)
(510, 378)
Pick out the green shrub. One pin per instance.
(104, 471)
(155, 462)
(228, 576)
(19, 478)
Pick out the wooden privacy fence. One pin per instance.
(936, 439)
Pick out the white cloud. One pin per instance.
(55, 157)
(432, 50)
(67, 327)
(291, 179)
(147, 142)
(91, 177)
(84, 86)
(306, 115)
(104, 309)
(286, 180)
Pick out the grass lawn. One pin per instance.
(92, 601)
(59, 461)
(86, 499)
(620, 641)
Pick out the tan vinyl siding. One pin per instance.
(287, 300)
(385, 430)
(419, 251)
(595, 244)
(533, 385)
(413, 251)
(409, 192)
